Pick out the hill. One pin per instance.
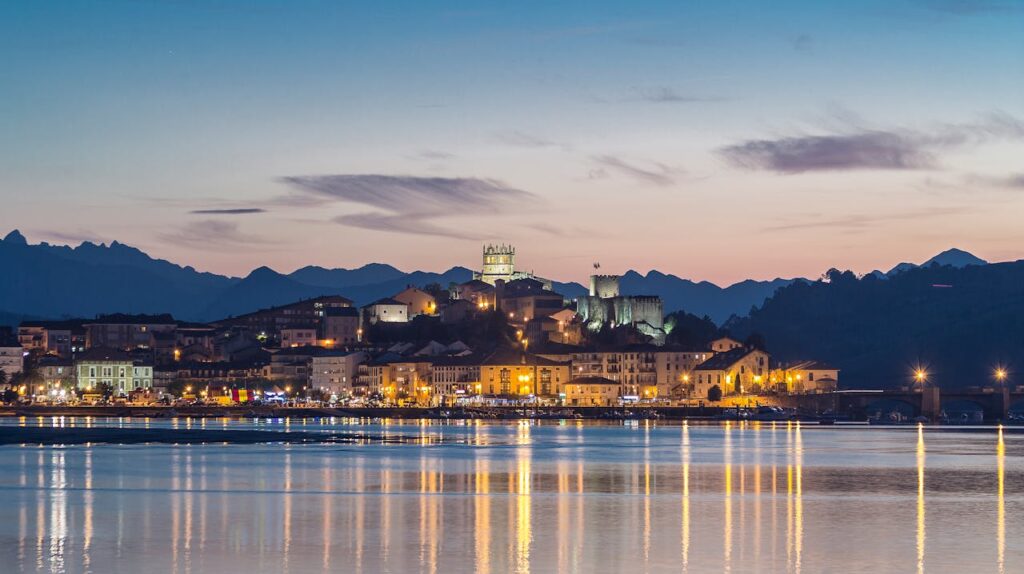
(957, 322)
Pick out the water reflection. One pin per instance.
(1001, 502)
(920, 498)
(521, 497)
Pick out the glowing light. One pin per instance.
(1000, 374)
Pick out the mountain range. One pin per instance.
(50, 281)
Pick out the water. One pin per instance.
(520, 497)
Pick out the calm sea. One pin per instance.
(521, 497)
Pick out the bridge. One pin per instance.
(929, 402)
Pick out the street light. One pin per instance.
(1000, 375)
(920, 375)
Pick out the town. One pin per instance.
(505, 338)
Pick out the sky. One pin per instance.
(713, 140)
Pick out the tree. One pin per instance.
(3, 377)
(715, 394)
(756, 341)
(105, 389)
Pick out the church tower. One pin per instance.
(499, 263)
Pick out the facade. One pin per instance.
(114, 367)
(334, 371)
(477, 292)
(805, 377)
(298, 336)
(127, 332)
(591, 392)
(453, 377)
(418, 301)
(738, 371)
(386, 311)
(50, 337)
(605, 305)
(725, 344)
(269, 322)
(56, 371)
(12, 356)
(516, 374)
(526, 299)
(340, 326)
(674, 370)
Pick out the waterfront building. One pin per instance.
(738, 371)
(804, 377)
(114, 367)
(56, 372)
(592, 392)
(455, 377)
(334, 372)
(12, 355)
(516, 374)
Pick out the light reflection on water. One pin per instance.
(521, 497)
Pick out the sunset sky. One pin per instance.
(713, 140)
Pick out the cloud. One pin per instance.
(69, 237)
(666, 95)
(432, 154)
(211, 233)
(662, 176)
(402, 223)
(862, 148)
(521, 139)
(408, 204)
(872, 150)
(229, 211)
(863, 221)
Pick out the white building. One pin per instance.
(334, 371)
(12, 357)
(386, 310)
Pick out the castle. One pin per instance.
(500, 263)
(606, 305)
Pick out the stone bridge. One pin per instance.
(859, 405)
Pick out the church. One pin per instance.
(500, 264)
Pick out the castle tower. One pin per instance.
(604, 286)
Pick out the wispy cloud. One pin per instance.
(659, 174)
(408, 204)
(667, 95)
(69, 237)
(433, 154)
(864, 148)
(863, 221)
(229, 211)
(522, 139)
(211, 233)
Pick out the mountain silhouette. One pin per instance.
(50, 281)
(958, 323)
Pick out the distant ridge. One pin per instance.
(51, 281)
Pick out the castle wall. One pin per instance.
(604, 286)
